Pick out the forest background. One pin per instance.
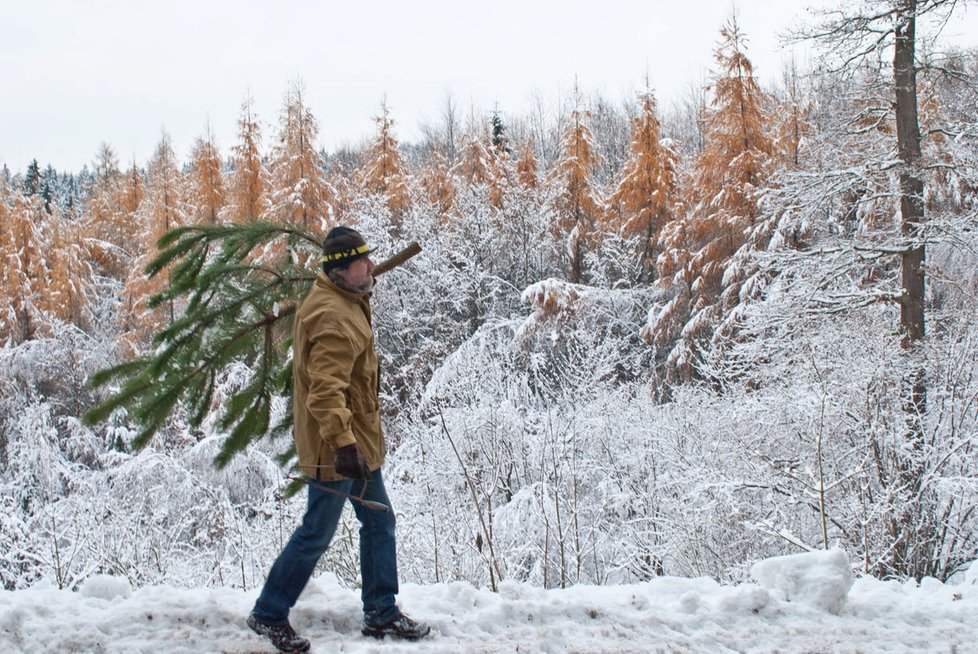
(635, 344)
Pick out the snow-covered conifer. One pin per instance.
(578, 205)
(385, 172)
(721, 207)
(163, 209)
(527, 169)
(65, 292)
(437, 183)
(482, 164)
(299, 195)
(647, 193)
(250, 181)
(24, 247)
(206, 194)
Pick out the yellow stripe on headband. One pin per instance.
(345, 254)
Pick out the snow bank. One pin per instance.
(666, 614)
(821, 578)
(105, 587)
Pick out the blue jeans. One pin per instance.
(378, 552)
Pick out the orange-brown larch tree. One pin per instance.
(64, 292)
(163, 209)
(437, 183)
(132, 189)
(385, 172)
(646, 195)
(23, 248)
(721, 207)
(206, 193)
(300, 195)
(250, 181)
(111, 229)
(502, 167)
(481, 164)
(106, 231)
(474, 165)
(578, 204)
(527, 169)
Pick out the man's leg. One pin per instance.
(295, 565)
(378, 568)
(378, 552)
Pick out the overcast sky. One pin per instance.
(76, 73)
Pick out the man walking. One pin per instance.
(341, 449)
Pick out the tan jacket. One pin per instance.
(335, 377)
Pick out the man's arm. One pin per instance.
(329, 366)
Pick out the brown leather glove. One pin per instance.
(350, 464)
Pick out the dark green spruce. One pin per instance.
(233, 306)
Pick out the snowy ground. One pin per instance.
(800, 604)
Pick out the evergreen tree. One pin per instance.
(49, 187)
(69, 196)
(235, 308)
(499, 139)
(32, 179)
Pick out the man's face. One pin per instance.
(358, 275)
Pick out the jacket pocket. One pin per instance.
(370, 436)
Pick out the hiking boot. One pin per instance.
(281, 634)
(400, 627)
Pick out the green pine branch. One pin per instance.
(234, 309)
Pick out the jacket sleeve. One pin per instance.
(330, 364)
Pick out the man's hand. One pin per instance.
(350, 464)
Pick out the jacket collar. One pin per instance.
(327, 283)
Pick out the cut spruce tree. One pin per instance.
(236, 306)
